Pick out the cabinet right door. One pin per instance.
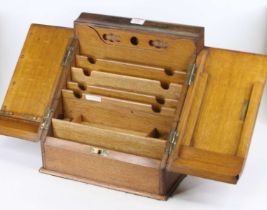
(219, 115)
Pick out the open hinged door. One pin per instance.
(219, 114)
(34, 83)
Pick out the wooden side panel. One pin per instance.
(37, 71)
(215, 134)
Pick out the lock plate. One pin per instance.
(98, 151)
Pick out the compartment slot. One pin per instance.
(114, 103)
(117, 113)
(134, 84)
(109, 139)
(114, 128)
(80, 120)
(122, 94)
(131, 69)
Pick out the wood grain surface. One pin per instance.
(219, 126)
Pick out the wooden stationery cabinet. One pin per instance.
(134, 105)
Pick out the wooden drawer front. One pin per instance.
(115, 169)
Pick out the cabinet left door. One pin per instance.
(34, 82)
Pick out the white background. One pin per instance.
(238, 25)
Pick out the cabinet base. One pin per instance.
(109, 186)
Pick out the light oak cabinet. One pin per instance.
(134, 105)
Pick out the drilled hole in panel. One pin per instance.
(134, 40)
(165, 85)
(86, 72)
(92, 60)
(82, 86)
(77, 94)
(160, 100)
(155, 133)
(156, 108)
(169, 72)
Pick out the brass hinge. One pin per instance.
(46, 120)
(191, 74)
(68, 55)
(172, 141)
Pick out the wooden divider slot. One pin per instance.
(117, 113)
(109, 138)
(113, 103)
(122, 94)
(131, 69)
(129, 83)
